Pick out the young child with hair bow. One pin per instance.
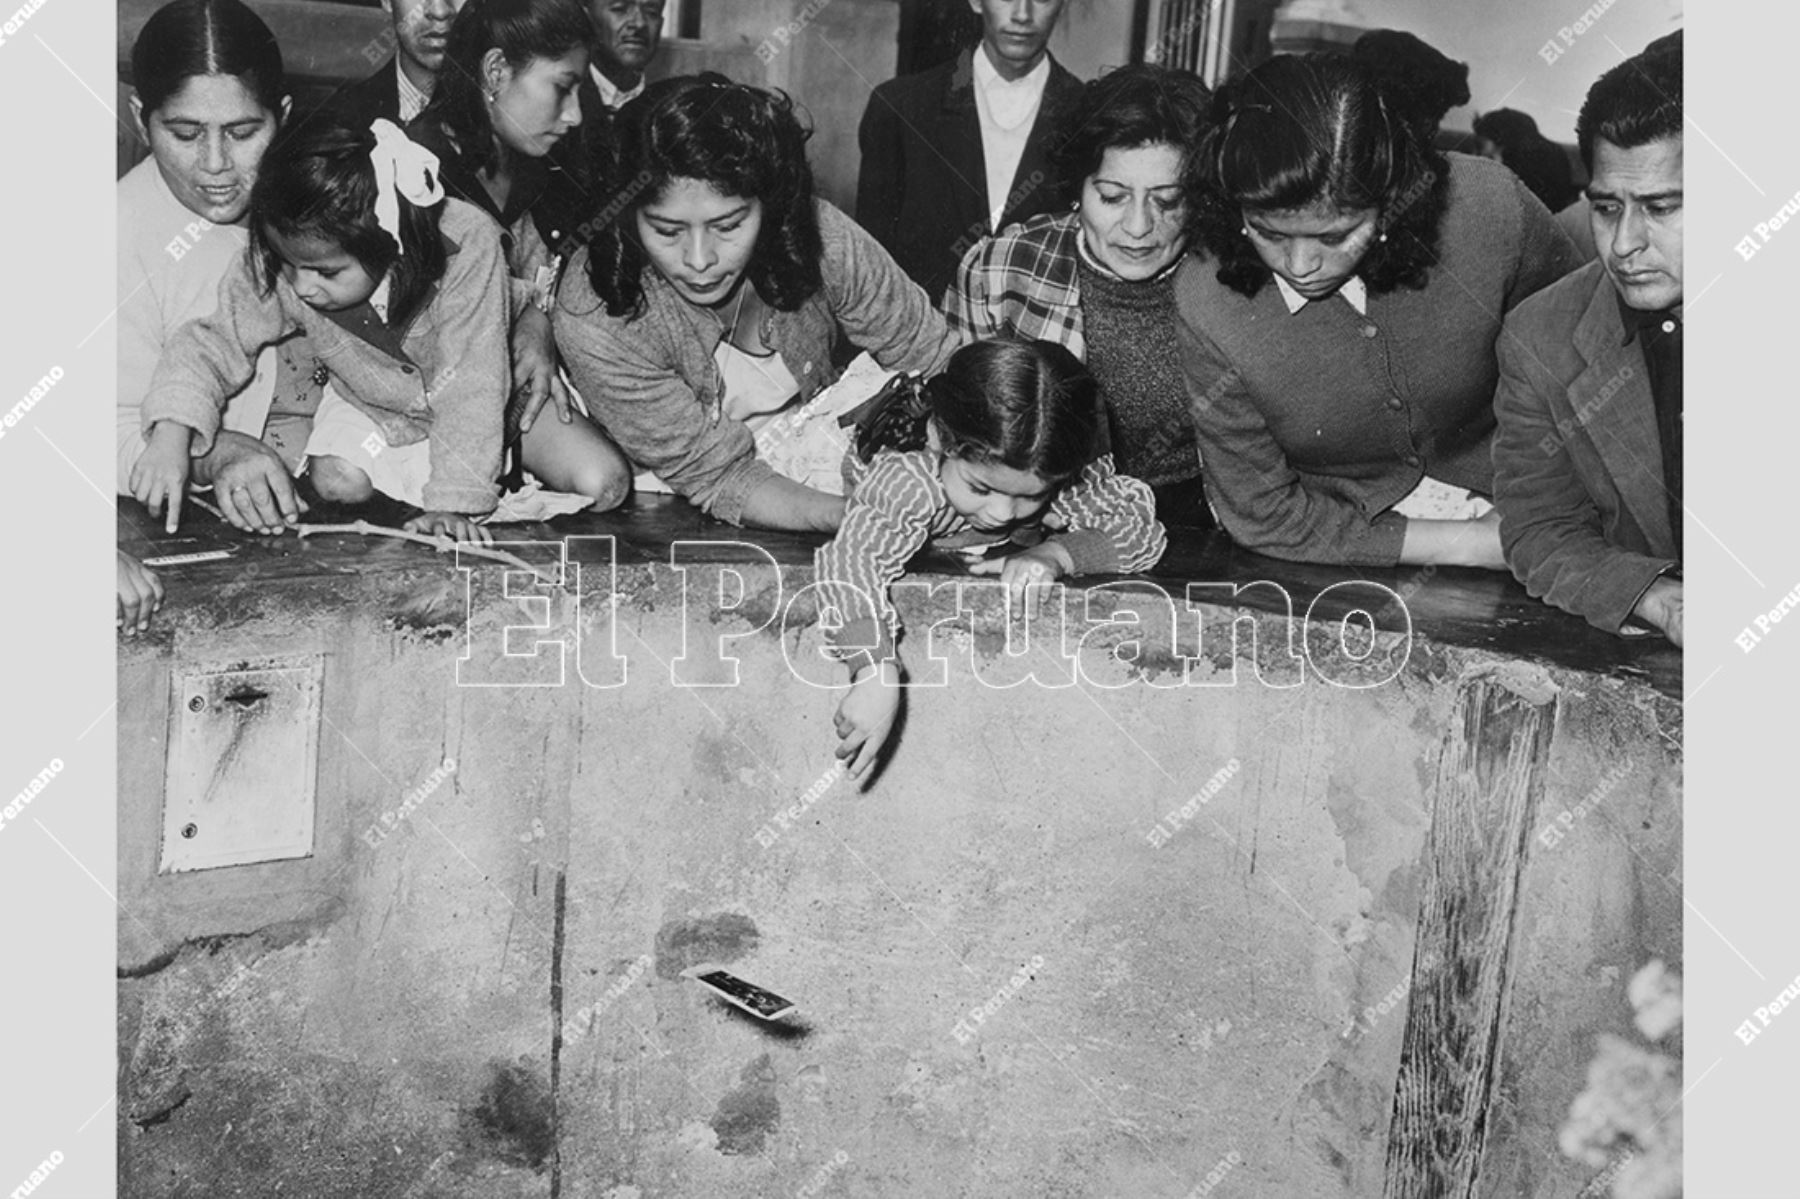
(402, 294)
(1007, 440)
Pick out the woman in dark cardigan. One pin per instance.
(1338, 337)
(708, 305)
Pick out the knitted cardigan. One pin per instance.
(1314, 424)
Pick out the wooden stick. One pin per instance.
(440, 543)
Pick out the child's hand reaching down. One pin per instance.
(453, 525)
(159, 477)
(866, 716)
(1007, 435)
(1026, 573)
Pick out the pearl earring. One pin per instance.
(1244, 229)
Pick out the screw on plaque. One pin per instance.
(190, 830)
(197, 704)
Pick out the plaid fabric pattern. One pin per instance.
(1023, 281)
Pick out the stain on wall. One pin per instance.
(724, 937)
(749, 1113)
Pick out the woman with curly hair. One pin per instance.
(1338, 337)
(1100, 279)
(708, 302)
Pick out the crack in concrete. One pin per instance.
(278, 935)
(162, 1115)
(557, 946)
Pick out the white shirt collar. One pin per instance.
(1010, 101)
(1354, 291)
(412, 98)
(378, 299)
(610, 95)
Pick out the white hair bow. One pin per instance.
(402, 168)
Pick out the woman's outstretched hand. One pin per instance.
(159, 477)
(534, 370)
(251, 483)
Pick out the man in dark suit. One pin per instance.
(627, 36)
(1587, 457)
(956, 152)
(628, 33)
(402, 85)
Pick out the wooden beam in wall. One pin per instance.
(1490, 778)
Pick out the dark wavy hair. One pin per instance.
(1420, 79)
(745, 142)
(1301, 129)
(1028, 405)
(185, 38)
(521, 30)
(1139, 105)
(1635, 103)
(1539, 163)
(317, 181)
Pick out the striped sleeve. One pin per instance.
(886, 522)
(1109, 521)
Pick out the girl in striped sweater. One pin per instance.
(1007, 440)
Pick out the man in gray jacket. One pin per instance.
(1587, 457)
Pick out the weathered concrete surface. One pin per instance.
(380, 1019)
(1602, 896)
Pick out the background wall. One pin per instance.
(831, 57)
(829, 60)
(1501, 45)
(1094, 36)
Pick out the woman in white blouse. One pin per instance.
(208, 97)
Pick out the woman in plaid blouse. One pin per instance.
(1099, 278)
